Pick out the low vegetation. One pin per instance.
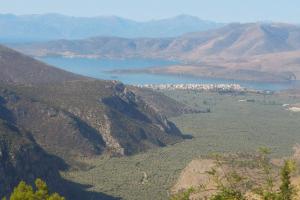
(231, 127)
(257, 180)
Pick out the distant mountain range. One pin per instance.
(254, 51)
(54, 26)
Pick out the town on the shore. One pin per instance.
(196, 86)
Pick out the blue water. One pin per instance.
(99, 68)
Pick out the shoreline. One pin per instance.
(204, 87)
(187, 75)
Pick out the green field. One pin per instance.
(232, 126)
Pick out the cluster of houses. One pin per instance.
(192, 86)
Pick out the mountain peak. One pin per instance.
(185, 16)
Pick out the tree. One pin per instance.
(22, 192)
(286, 188)
(25, 192)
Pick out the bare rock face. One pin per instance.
(129, 96)
(124, 93)
(125, 102)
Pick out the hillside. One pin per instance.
(233, 40)
(164, 104)
(255, 51)
(22, 159)
(247, 39)
(55, 26)
(71, 118)
(20, 69)
(104, 114)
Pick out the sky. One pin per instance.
(142, 10)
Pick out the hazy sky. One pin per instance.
(218, 10)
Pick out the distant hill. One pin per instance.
(234, 40)
(54, 26)
(254, 51)
(247, 39)
(46, 112)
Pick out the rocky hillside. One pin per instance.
(163, 104)
(46, 112)
(22, 159)
(254, 51)
(53, 129)
(94, 116)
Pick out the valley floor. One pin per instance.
(237, 123)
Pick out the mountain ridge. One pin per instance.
(56, 26)
(233, 38)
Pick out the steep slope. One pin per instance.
(54, 26)
(22, 159)
(51, 119)
(106, 115)
(63, 110)
(163, 104)
(55, 130)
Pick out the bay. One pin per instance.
(101, 69)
